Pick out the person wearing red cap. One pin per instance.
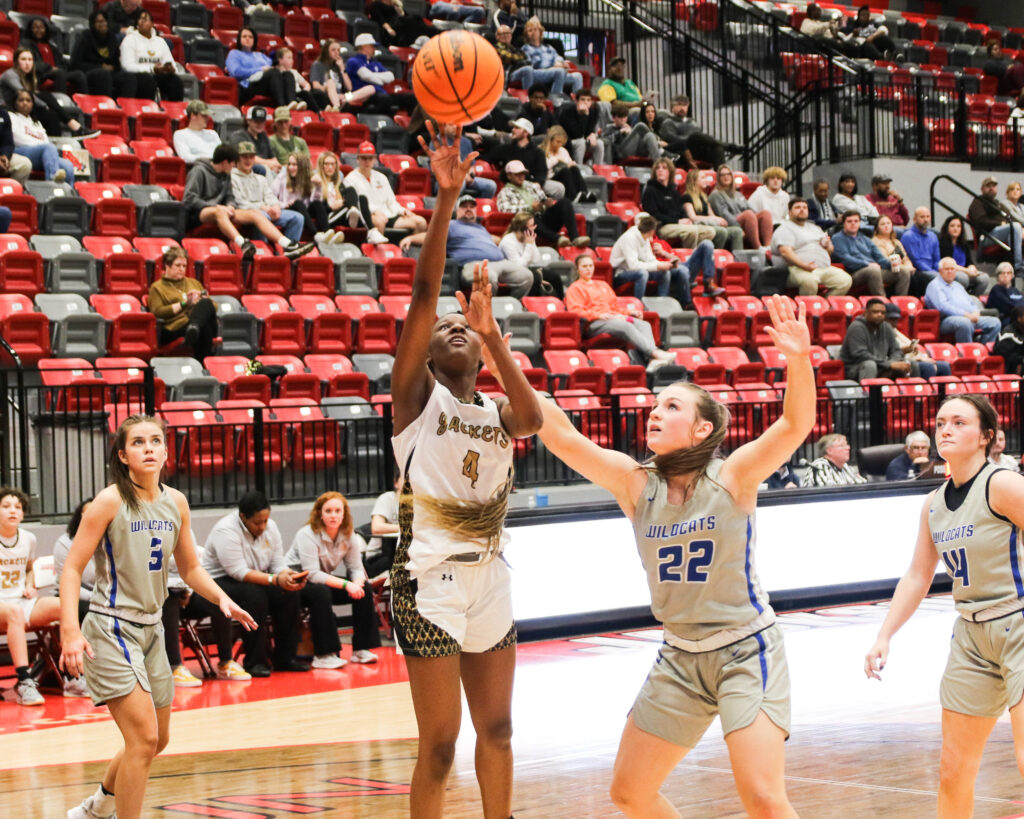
(377, 203)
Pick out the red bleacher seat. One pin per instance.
(284, 331)
(113, 213)
(26, 331)
(330, 330)
(132, 330)
(270, 276)
(21, 271)
(314, 438)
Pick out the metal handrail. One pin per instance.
(978, 233)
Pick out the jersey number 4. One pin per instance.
(956, 562)
(471, 466)
(699, 554)
(156, 555)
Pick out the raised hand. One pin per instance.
(789, 331)
(449, 171)
(477, 309)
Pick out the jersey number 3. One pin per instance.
(700, 553)
(156, 555)
(471, 466)
(956, 562)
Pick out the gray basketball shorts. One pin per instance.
(985, 671)
(685, 691)
(126, 654)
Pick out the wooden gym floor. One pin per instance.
(342, 743)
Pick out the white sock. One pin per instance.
(286, 242)
(103, 804)
(239, 240)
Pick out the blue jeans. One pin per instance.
(1012, 236)
(702, 259)
(524, 74)
(930, 368)
(45, 158)
(453, 11)
(641, 277)
(290, 223)
(481, 187)
(963, 330)
(559, 79)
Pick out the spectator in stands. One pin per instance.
(536, 110)
(953, 242)
(698, 210)
(328, 75)
(377, 203)
(887, 202)
(311, 98)
(256, 133)
(146, 55)
(986, 215)
(702, 259)
(832, 466)
(469, 243)
(293, 187)
(518, 68)
(462, 11)
(960, 314)
(597, 303)
(256, 74)
(329, 552)
(548, 67)
(997, 453)
(380, 551)
(479, 186)
(50, 63)
(617, 88)
(251, 192)
(244, 554)
(869, 348)
(815, 25)
(396, 27)
(197, 140)
(1013, 203)
(123, 15)
(12, 164)
(1010, 73)
(583, 121)
(182, 306)
(653, 119)
(922, 245)
(914, 459)
(848, 199)
(727, 201)
(866, 31)
(22, 77)
(509, 14)
(783, 478)
(97, 52)
(552, 214)
(684, 136)
(562, 167)
(1004, 296)
(910, 348)
(662, 200)
(30, 141)
(624, 140)
(60, 554)
(519, 245)
(770, 196)
(891, 247)
(871, 270)
(1010, 344)
(819, 207)
(328, 198)
(633, 260)
(521, 148)
(284, 141)
(805, 248)
(365, 72)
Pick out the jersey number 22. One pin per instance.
(699, 554)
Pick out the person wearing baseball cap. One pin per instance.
(521, 148)
(284, 142)
(377, 203)
(364, 71)
(617, 88)
(521, 194)
(887, 202)
(987, 215)
(255, 132)
(198, 140)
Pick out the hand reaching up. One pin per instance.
(449, 171)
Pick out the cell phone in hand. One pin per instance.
(298, 577)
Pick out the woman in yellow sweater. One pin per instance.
(181, 303)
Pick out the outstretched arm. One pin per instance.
(411, 382)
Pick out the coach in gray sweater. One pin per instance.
(870, 349)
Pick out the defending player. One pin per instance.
(973, 523)
(450, 587)
(693, 518)
(134, 527)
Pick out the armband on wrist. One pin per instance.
(184, 298)
(271, 580)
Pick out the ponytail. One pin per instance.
(117, 469)
(695, 458)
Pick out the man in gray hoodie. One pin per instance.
(870, 349)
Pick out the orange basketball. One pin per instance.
(457, 77)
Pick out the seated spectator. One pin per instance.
(535, 110)
(1004, 296)
(684, 136)
(251, 192)
(891, 247)
(562, 167)
(49, 61)
(256, 74)
(819, 207)
(653, 119)
(887, 202)
(384, 528)
(552, 214)
(548, 68)
(633, 260)
(815, 25)
(867, 31)
(805, 247)
(61, 547)
(244, 555)
(1012, 202)
(770, 196)
(463, 11)
(509, 14)
(256, 133)
(832, 466)
(284, 141)
(702, 260)
(910, 347)
(870, 350)
(97, 53)
(469, 243)
(365, 72)
(479, 186)
(914, 461)
(997, 454)
(1010, 344)
(597, 303)
(197, 140)
(329, 553)
(182, 306)
(953, 242)
(699, 211)
(848, 199)
(871, 270)
(22, 77)
(146, 55)
(783, 478)
(727, 201)
(662, 200)
(987, 216)
(328, 197)
(377, 203)
(960, 314)
(308, 97)
(521, 148)
(922, 246)
(396, 27)
(293, 187)
(623, 140)
(1010, 73)
(518, 68)
(617, 87)
(583, 121)
(12, 164)
(30, 141)
(328, 75)
(519, 245)
(123, 15)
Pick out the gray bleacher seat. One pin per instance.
(375, 121)
(679, 328)
(525, 329)
(175, 369)
(638, 172)
(596, 185)
(71, 15)
(75, 331)
(263, 22)
(222, 113)
(391, 139)
(186, 379)
(61, 210)
(377, 367)
(339, 252)
(75, 272)
(205, 50)
(590, 210)
(158, 213)
(190, 15)
(50, 247)
(363, 428)
(564, 269)
(508, 105)
(448, 304)
(357, 277)
(605, 230)
(547, 255)
(239, 329)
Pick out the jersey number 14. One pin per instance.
(699, 554)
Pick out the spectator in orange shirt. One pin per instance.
(597, 303)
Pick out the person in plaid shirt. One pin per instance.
(552, 215)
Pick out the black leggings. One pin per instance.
(197, 608)
(320, 599)
(169, 85)
(557, 216)
(61, 79)
(204, 315)
(572, 179)
(279, 87)
(261, 602)
(314, 214)
(50, 115)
